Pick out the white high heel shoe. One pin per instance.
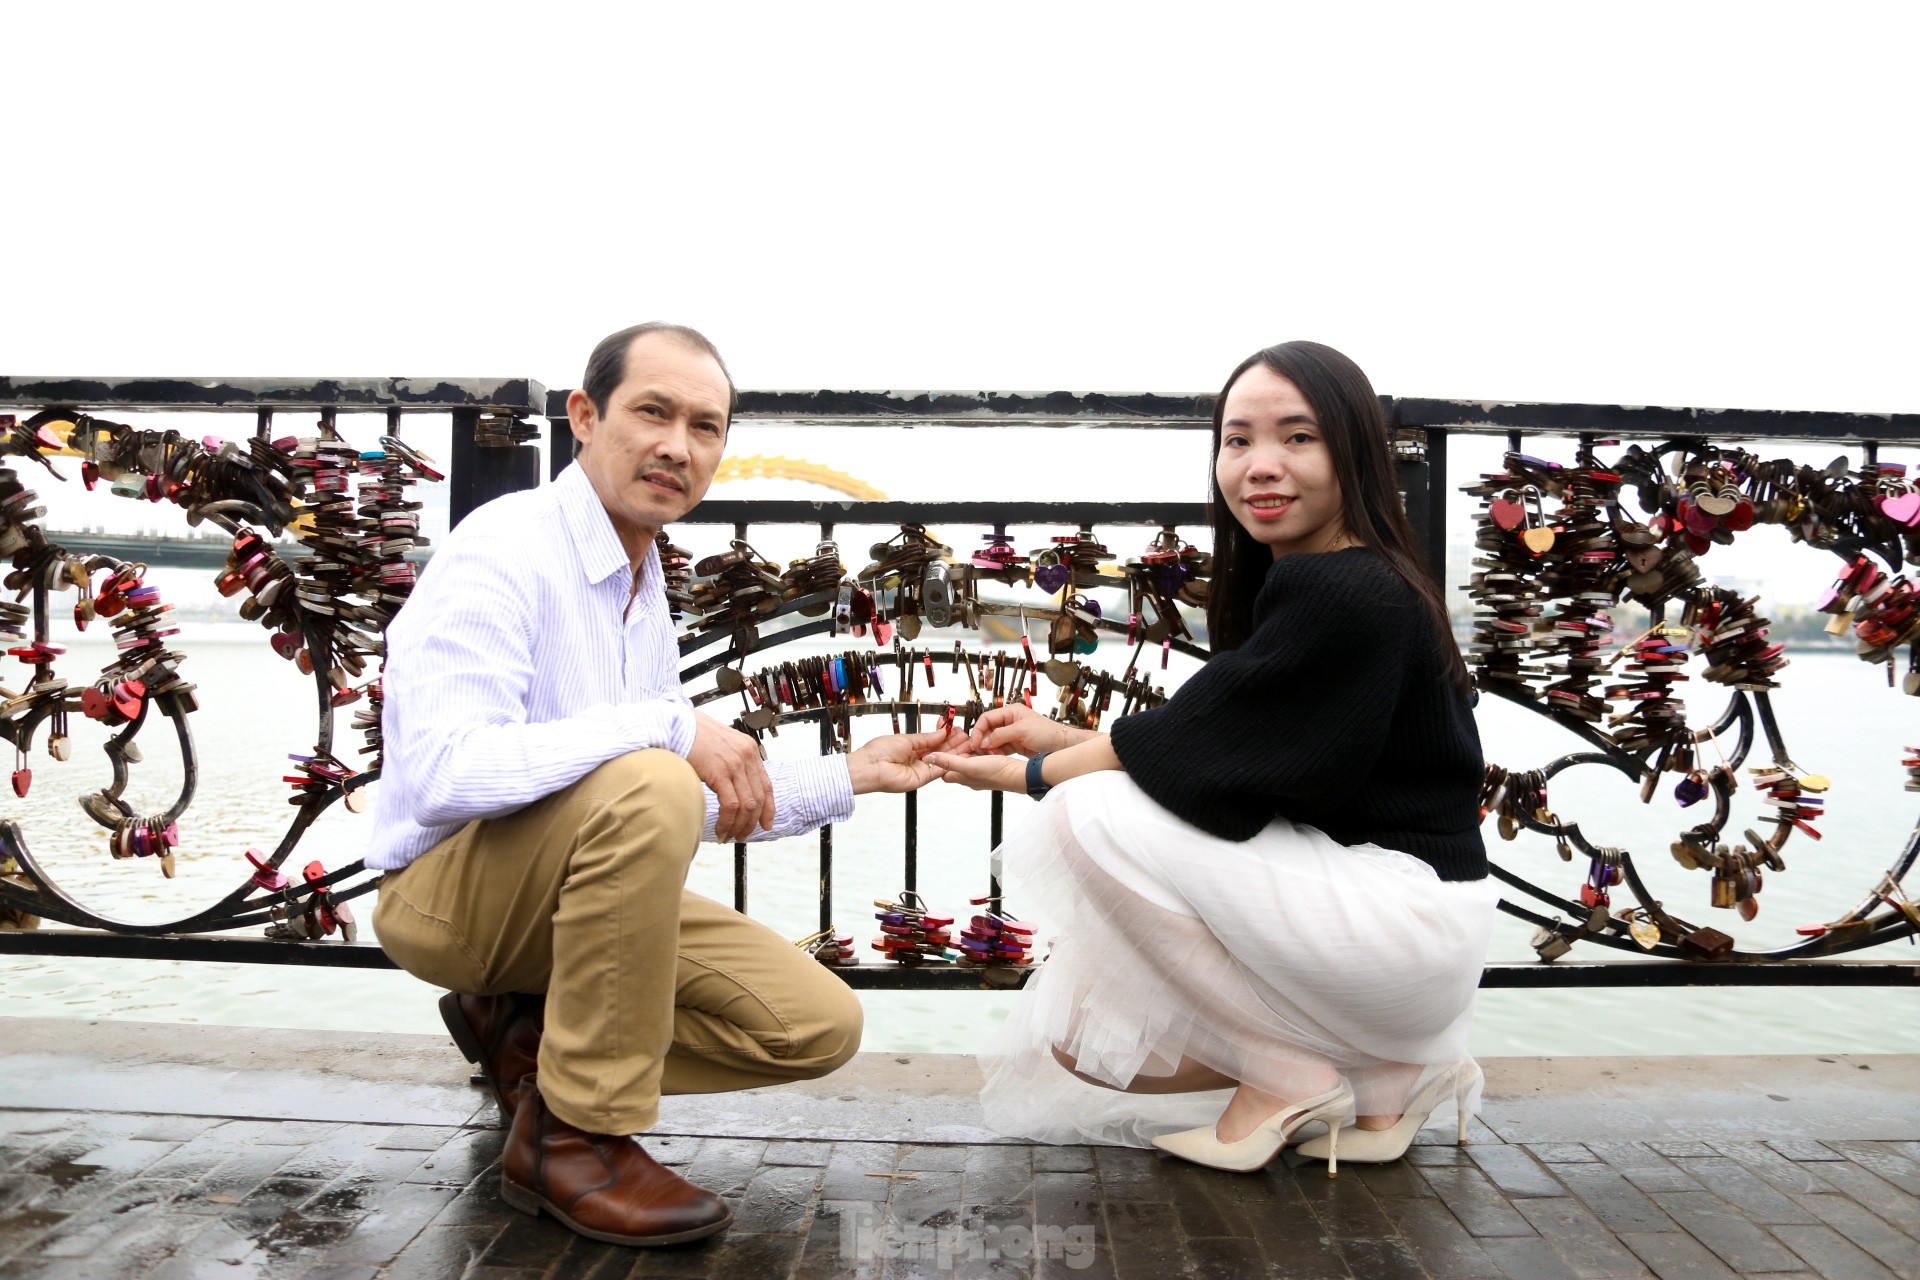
(1203, 1145)
(1378, 1146)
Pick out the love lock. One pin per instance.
(936, 593)
(264, 875)
(128, 697)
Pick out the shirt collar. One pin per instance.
(594, 539)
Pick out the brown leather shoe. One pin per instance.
(605, 1188)
(500, 1035)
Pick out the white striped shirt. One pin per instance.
(512, 673)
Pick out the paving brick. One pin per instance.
(814, 1154)
(779, 1201)
(458, 1160)
(931, 1199)
(1528, 1258)
(1675, 1149)
(230, 1181)
(851, 1171)
(1129, 1173)
(1561, 1152)
(1885, 1160)
(1438, 1156)
(1145, 1239)
(174, 1128)
(1398, 1178)
(832, 1248)
(1051, 1159)
(745, 1256)
(1869, 1189)
(1202, 1203)
(88, 1176)
(396, 1218)
(1438, 1240)
(1613, 1199)
(438, 1253)
(416, 1137)
(340, 1271)
(1644, 1167)
(275, 1133)
(1804, 1149)
(1898, 1251)
(529, 1241)
(1741, 1187)
(1675, 1255)
(128, 1202)
(1581, 1239)
(1514, 1171)
(1476, 1203)
(673, 1148)
(1723, 1229)
(1831, 1254)
(998, 1175)
(1224, 1258)
(949, 1158)
(725, 1165)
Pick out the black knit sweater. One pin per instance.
(1337, 713)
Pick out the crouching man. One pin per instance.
(545, 785)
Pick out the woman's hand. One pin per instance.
(1018, 730)
(899, 762)
(982, 773)
(1092, 753)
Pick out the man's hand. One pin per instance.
(1018, 730)
(895, 763)
(728, 761)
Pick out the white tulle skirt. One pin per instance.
(1266, 960)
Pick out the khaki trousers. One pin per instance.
(650, 989)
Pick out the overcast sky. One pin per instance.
(1675, 203)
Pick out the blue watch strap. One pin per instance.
(1035, 786)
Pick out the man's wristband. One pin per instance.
(1035, 786)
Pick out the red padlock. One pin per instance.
(128, 697)
(264, 876)
(319, 901)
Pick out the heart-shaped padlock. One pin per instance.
(1902, 508)
(128, 697)
(1644, 559)
(1052, 577)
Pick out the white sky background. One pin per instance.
(1699, 204)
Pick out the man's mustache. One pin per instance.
(678, 478)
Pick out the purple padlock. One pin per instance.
(1052, 577)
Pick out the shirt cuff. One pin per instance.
(824, 785)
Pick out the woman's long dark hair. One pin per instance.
(1355, 431)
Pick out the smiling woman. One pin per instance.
(1274, 884)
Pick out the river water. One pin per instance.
(1838, 715)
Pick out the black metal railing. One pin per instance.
(491, 456)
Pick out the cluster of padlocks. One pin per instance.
(1558, 547)
(325, 609)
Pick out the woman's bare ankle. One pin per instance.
(1373, 1124)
